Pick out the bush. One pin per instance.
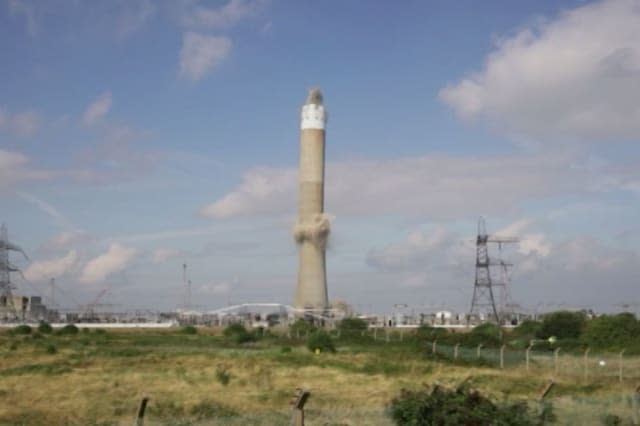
(68, 329)
(528, 329)
(223, 376)
(444, 407)
(22, 329)
(45, 328)
(562, 325)
(302, 328)
(352, 325)
(426, 332)
(321, 341)
(239, 333)
(51, 349)
(189, 330)
(612, 331)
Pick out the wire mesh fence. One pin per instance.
(586, 365)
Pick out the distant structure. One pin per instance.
(312, 229)
(8, 308)
(483, 304)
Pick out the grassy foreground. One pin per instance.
(98, 378)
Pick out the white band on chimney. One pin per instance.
(313, 117)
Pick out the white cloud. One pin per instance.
(52, 268)
(576, 76)
(201, 53)
(263, 190)
(418, 251)
(216, 288)
(98, 109)
(431, 186)
(47, 208)
(67, 239)
(22, 124)
(15, 168)
(114, 260)
(29, 11)
(161, 255)
(134, 15)
(226, 16)
(529, 242)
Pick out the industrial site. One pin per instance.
(491, 289)
(362, 213)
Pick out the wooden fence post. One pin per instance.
(527, 355)
(141, 409)
(555, 361)
(478, 350)
(620, 355)
(455, 351)
(502, 356)
(586, 365)
(299, 399)
(635, 406)
(546, 390)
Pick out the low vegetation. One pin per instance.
(356, 376)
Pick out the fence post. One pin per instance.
(586, 365)
(299, 399)
(527, 354)
(502, 356)
(635, 403)
(546, 390)
(555, 361)
(455, 351)
(433, 346)
(620, 355)
(478, 350)
(141, 410)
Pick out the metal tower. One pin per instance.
(7, 306)
(484, 300)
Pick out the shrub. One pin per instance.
(444, 407)
(189, 329)
(562, 325)
(239, 333)
(320, 340)
(45, 328)
(285, 349)
(612, 331)
(426, 332)
(302, 328)
(68, 329)
(51, 349)
(22, 329)
(233, 329)
(528, 328)
(352, 325)
(223, 376)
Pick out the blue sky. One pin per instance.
(139, 135)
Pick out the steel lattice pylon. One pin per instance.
(484, 301)
(7, 306)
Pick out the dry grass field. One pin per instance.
(98, 378)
